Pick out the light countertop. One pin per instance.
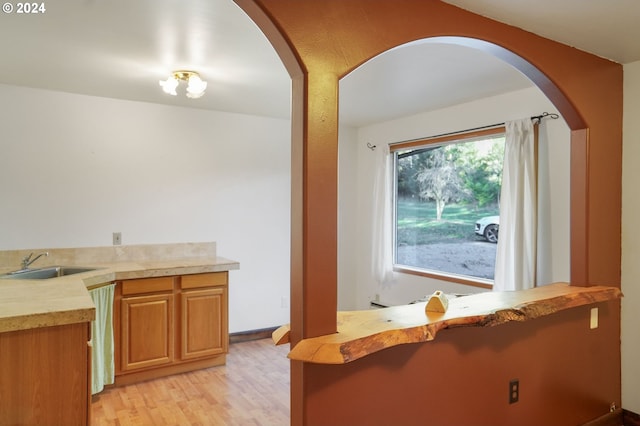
(26, 304)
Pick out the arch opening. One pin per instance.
(438, 87)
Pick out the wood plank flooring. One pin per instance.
(252, 389)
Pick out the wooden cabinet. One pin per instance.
(147, 331)
(168, 325)
(45, 376)
(204, 330)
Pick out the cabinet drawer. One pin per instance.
(203, 280)
(147, 285)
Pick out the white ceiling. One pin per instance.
(423, 76)
(610, 29)
(121, 48)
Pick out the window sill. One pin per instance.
(361, 333)
(457, 279)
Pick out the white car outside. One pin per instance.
(488, 227)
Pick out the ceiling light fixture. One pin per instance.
(195, 85)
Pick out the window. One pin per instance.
(446, 204)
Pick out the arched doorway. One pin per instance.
(320, 42)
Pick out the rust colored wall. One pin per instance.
(462, 377)
(320, 42)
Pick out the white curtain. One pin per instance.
(382, 232)
(516, 251)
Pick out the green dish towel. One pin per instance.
(102, 362)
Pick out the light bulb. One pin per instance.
(195, 87)
(169, 85)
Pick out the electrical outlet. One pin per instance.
(117, 238)
(514, 391)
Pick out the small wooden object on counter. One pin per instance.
(437, 303)
(169, 325)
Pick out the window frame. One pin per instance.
(440, 140)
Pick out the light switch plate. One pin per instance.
(594, 318)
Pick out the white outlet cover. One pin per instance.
(594, 318)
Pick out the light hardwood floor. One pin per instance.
(251, 389)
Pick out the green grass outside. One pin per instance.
(417, 222)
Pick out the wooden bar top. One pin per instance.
(361, 333)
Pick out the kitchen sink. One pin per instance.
(46, 273)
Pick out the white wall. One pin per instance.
(74, 169)
(631, 240)
(554, 189)
(347, 217)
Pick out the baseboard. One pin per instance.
(245, 336)
(614, 418)
(618, 417)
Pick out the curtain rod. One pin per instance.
(552, 115)
(540, 117)
(545, 114)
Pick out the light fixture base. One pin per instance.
(184, 74)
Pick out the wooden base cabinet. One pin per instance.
(147, 331)
(169, 325)
(204, 330)
(45, 376)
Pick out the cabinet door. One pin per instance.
(44, 375)
(147, 331)
(204, 328)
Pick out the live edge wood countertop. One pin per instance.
(26, 304)
(361, 333)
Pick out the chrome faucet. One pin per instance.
(26, 261)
